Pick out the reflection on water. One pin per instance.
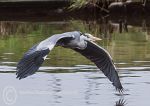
(67, 78)
(55, 84)
(121, 102)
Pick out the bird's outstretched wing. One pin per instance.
(103, 61)
(36, 55)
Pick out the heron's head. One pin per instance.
(91, 37)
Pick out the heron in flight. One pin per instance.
(82, 43)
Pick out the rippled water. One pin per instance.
(67, 78)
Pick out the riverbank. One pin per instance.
(57, 10)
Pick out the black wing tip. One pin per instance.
(23, 72)
(30, 63)
(19, 76)
(120, 89)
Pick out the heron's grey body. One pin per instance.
(75, 40)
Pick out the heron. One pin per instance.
(83, 43)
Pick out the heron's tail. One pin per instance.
(30, 63)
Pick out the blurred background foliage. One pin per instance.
(18, 37)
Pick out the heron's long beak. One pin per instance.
(95, 38)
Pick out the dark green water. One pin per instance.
(67, 78)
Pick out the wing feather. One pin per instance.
(103, 61)
(35, 56)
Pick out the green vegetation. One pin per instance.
(82, 3)
(124, 47)
(78, 4)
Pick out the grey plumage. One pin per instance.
(102, 60)
(75, 40)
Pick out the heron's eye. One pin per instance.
(87, 36)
